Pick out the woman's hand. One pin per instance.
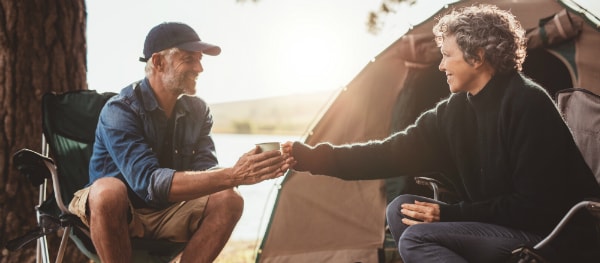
(287, 150)
(420, 212)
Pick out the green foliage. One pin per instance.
(376, 18)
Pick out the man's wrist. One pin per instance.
(228, 178)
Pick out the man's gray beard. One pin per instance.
(176, 86)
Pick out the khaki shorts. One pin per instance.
(176, 223)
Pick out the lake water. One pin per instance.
(258, 198)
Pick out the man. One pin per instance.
(498, 137)
(153, 170)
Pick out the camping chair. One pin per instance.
(580, 109)
(69, 122)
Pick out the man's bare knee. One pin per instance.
(229, 201)
(108, 194)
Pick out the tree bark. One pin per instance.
(42, 49)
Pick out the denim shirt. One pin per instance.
(130, 136)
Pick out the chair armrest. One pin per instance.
(33, 165)
(592, 207)
(38, 168)
(433, 184)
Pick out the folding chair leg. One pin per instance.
(42, 250)
(42, 244)
(63, 244)
(42, 247)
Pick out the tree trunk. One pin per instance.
(42, 49)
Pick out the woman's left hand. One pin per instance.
(421, 212)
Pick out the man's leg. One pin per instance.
(109, 206)
(222, 213)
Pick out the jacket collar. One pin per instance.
(492, 91)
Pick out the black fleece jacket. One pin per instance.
(507, 149)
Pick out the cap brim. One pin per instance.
(199, 46)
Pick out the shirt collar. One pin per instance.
(151, 104)
(148, 97)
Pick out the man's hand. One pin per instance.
(421, 212)
(254, 167)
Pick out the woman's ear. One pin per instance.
(479, 59)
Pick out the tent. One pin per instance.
(324, 219)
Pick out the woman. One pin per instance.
(498, 137)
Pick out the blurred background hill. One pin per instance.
(283, 115)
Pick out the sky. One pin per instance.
(269, 48)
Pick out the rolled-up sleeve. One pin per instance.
(121, 150)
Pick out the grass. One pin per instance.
(237, 251)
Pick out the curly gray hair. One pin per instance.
(497, 32)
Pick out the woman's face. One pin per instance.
(461, 76)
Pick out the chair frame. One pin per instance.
(46, 224)
(592, 206)
(52, 215)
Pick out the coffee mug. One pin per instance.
(268, 146)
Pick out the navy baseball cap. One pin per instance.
(172, 34)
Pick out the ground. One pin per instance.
(238, 251)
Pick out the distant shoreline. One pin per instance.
(285, 115)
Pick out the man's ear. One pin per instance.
(157, 61)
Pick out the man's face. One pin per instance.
(461, 76)
(181, 71)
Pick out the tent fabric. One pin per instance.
(571, 102)
(323, 219)
(555, 30)
(355, 115)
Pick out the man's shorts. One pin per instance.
(176, 223)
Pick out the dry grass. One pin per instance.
(237, 251)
